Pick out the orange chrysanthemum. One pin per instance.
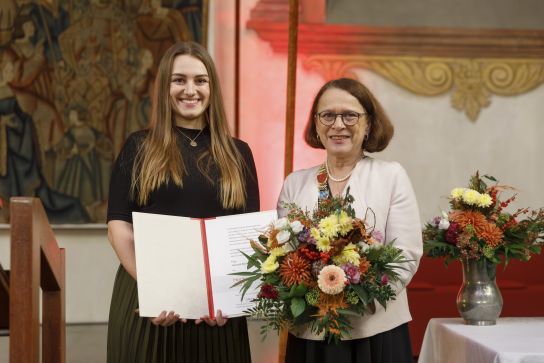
(364, 265)
(464, 218)
(328, 306)
(491, 234)
(330, 303)
(295, 270)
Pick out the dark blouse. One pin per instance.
(198, 198)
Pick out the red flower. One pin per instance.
(324, 256)
(268, 292)
(309, 254)
(384, 279)
(452, 233)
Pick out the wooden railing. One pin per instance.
(36, 261)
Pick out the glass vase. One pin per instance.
(479, 300)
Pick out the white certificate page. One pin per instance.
(170, 265)
(226, 237)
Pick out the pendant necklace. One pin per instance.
(192, 141)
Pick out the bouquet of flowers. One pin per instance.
(319, 268)
(479, 227)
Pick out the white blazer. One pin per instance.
(383, 188)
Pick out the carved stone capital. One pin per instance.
(470, 81)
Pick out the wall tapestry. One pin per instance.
(75, 80)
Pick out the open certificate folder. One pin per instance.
(184, 264)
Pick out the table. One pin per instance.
(512, 340)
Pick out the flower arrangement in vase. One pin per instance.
(480, 232)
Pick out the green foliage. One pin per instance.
(297, 306)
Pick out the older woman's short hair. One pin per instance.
(381, 129)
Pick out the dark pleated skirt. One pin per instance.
(134, 339)
(392, 346)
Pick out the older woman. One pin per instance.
(347, 121)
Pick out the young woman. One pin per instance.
(185, 164)
(346, 120)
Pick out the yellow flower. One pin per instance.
(348, 255)
(314, 232)
(457, 193)
(278, 251)
(323, 244)
(345, 223)
(484, 201)
(471, 197)
(329, 226)
(269, 265)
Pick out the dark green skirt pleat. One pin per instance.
(134, 339)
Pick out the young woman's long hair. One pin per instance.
(159, 160)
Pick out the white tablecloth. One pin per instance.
(512, 340)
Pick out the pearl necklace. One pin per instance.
(335, 179)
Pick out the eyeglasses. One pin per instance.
(349, 118)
